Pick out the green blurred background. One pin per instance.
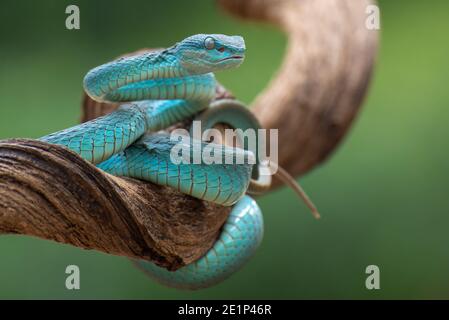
(383, 194)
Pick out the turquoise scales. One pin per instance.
(149, 160)
(163, 88)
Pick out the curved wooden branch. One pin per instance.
(49, 192)
(322, 82)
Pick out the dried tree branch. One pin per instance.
(50, 192)
(320, 86)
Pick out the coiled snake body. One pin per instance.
(164, 88)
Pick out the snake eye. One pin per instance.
(209, 43)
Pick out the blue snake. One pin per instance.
(157, 90)
(163, 88)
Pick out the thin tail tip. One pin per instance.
(316, 215)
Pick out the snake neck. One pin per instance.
(199, 88)
(155, 75)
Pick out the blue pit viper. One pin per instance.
(159, 89)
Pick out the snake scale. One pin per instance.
(159, 89)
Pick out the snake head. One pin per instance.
(203, 53)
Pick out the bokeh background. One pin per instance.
(384, 193)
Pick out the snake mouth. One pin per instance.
(232, 58)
